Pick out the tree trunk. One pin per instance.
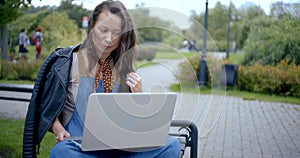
(4, 42)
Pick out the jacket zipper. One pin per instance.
(60, 110)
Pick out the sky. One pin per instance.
(166, 9)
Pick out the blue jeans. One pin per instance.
(68, 149)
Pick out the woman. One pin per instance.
(38, 40)
(22, 41)
(103, 63)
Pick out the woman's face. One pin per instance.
(107, 32)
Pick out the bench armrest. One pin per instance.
(188, 139)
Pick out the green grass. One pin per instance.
(236, 58)
(263, 97)
(17, 81)
(141, 64)
(237, 93)
(165, 56)
(173, 55)
(31, 51)
(12, 137)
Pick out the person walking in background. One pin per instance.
(37, 40)
(234, 46)
(22, 41)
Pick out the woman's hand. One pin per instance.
(59, 131)
(134, 81)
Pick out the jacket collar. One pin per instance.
(67, 52)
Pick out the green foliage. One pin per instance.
(75, 12)
(189, 70)
(171, 55)
(221, 45)
(284, 79)
(217, 27)
(252, 11)
(10, 10)
(217, 23)
(20, 70)
(59, 31)
(236, 58)
(144, 52)
(28, 21)
(247, 14)
(149, 28)
(174, 40)
(156, 50)
(271, 41)
(212, 46)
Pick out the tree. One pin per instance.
(280, 9)
(9, 10)
(248, 12)
(75, 12)
(59, 31)
(150, 28)
(271, 40)
(217, 27)
(29, 21)
(218, 23)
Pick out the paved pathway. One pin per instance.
(229, 127)
(13, 109)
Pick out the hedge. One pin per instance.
(189, 70)
(283, 79)
(20, 69)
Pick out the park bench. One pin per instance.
(185, 131)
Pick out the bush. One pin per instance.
(222, 46)
(144, 53)
(20, 70)
(271, 41)
(284, 79)
(187, 76)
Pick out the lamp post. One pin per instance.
(228, 32)
(203, 67)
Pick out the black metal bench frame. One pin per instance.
(187, 131)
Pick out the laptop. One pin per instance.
(127, 121)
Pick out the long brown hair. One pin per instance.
(124, 55)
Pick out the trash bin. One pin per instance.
(229, 74)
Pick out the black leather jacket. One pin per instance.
(48, 98)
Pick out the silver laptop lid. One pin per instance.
(127, 120)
